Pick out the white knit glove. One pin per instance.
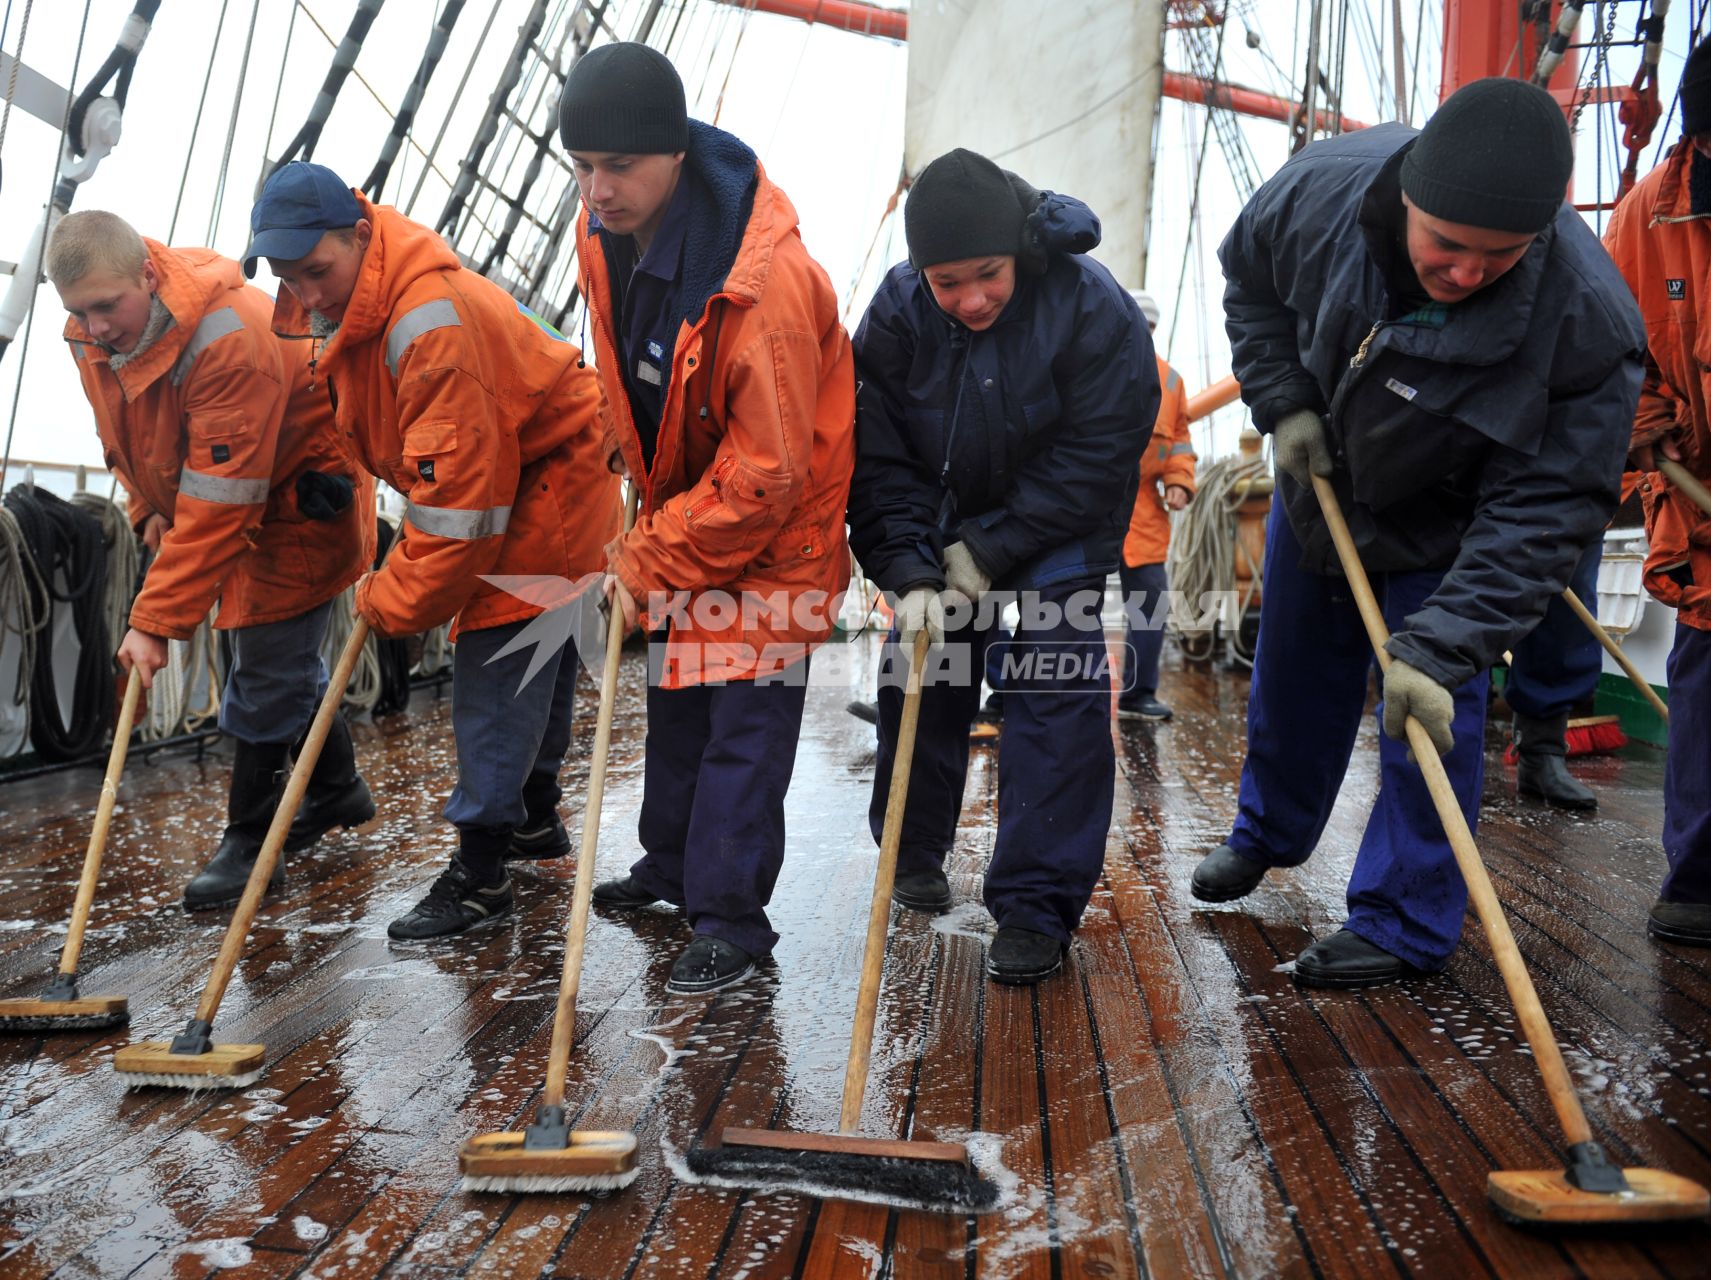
(1298, 443)
(917, 609)
(1411, 692)
(963, 575)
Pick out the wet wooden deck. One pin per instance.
(1170, 1106)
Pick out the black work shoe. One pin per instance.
(350, 806)
(1224, 875)
(222, 881)
(1143, 708)
(623, 895)
(1541, 749)
(922, 891)
(1686, 923)
(1021, 957)
(861, 710)
(337, 795)
(993, 708)
(258, 776)
(456, 902)
(708, 964)
(540, 840)
(1346, 960)
(1546, 777)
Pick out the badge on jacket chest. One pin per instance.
(1676, 289)
(425, 469)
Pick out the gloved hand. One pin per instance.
(1411, 692)
(321, 496)
(920, 608)
(963, 575)
(1298, 442)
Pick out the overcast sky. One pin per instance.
(824, 109)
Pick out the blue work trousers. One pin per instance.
(718, 765)
(1304, 710)
(1557, 663)
(1143, 627)
(511, 735)
(1056, 764)
(1687, 771)
(277, 678)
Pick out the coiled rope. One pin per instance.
(69, 547)
(1202, 557)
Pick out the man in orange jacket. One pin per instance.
(1660, 237)
(730, 398)
(1167, 484)
(484, 419)
(241, 489)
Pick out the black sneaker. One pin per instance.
(456, 902)
(1021, 957)
(544, 839)
(708, 964)
(623, 895)
(923, 891)
(1147, 708)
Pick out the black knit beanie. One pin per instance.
(1696, 90)
(1495, 155)
(961, 206)
(626, 98)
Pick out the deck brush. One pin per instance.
(1584, 736)
(60, 1007)
(931, 1175)
(549, 1155)
(192, 1059)
(1591, 1190)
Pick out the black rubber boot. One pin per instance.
(1686, 923)
(1224, 875)
(258, 776)
(928, 891)
(1540, 768)
(337, 795)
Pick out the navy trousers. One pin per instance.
(1557, 664)
(277, 678)
(718, 765)
(1056, 767)
(1143, 591)
(1304, 710)
(511, 737)
(1687, 771)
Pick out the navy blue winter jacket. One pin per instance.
(1484, 439)
(1022, 441)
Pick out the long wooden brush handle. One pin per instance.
(1686, 481)
(879, 911)
(244, 914)
(1509, 963)
(103, 818)
(1615, 651)
(576, 931)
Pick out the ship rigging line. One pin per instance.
(445, 123)
(196, 125)
(47, 224)
(344, 62)
(406, 115)
(17, 62)
(1194, 199)
(232, 128)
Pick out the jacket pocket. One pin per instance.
(428, 449)
(804, 540)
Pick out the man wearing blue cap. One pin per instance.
(484, 419)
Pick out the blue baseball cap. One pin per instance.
(299, 204)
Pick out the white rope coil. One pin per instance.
(1202, 558)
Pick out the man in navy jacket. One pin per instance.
(1419, 318)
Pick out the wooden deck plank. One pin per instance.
(1171, 1106)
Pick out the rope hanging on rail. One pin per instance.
(437, 41)
(344, 59)
(68, 546)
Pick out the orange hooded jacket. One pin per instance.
(1664, 251)
(475, 411)
(741, 525)
(1168, 459)
(210, 427)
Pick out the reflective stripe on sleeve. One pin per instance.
(464, 526)
(438, 314)
(230, 490)
(214, 326)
